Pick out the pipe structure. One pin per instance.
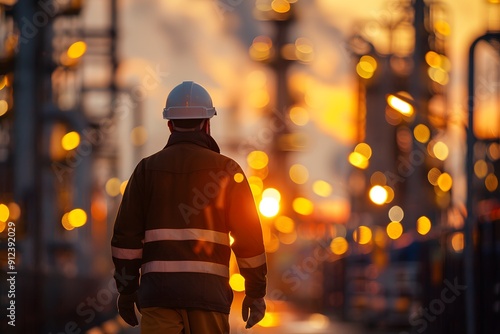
(470, 221)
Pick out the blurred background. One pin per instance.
(369, 131)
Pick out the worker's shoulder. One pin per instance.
(230, 164)
(189, 157)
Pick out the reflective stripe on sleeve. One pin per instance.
(126, 253)
(185, 266)
(251, 262)
(187, 234)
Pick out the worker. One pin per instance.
(171, 239)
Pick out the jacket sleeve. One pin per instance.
(245, 228)
(128, 234)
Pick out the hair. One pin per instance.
(187, 123)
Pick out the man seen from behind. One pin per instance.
(170, 243)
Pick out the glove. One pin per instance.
(257, 308)
(126, 308)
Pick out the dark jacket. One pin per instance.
(173, 224)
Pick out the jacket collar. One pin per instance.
(199, 138)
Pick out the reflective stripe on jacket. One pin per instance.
(172, 228)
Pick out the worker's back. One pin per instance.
(186, 242)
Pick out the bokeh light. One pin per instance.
(4, 107)
(299, 173)
(457, 242)
(390, 194)
(77, 49)
(139, 135)
(394, 230)
(237, 282)
(280, 6)
(318, 321)
(378, 195)
(269, 207)
(70, 141)
(14, 211)
(261, 48)
(423, 225)
(396, 213)
(400, 105)
(4, 213)
(362, 235)
(123, 186)
(494, 150)
(238, 177)
(304, 50)
(3, 81)
(491, 182)
(358, 160)
(299, 116)
(339, 245)
(284, 224)
(481, 168)
(440, 150)
(303, 206)
(442, 28)
(322, 188)
(360, 156)
(364, 149)
(65, 222)
(422, 133)
(433, 176)
(366, 67)
(256, 185)
(77, 217)
(271, 319)
(433, 59)
(445, 182)
(438, 75)
(272, 193)
(113, 186)
(257, 159)
(270, 203)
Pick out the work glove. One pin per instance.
(126, 308)
(257, 308)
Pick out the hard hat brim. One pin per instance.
(188, 112)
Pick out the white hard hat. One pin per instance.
(188, 100)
